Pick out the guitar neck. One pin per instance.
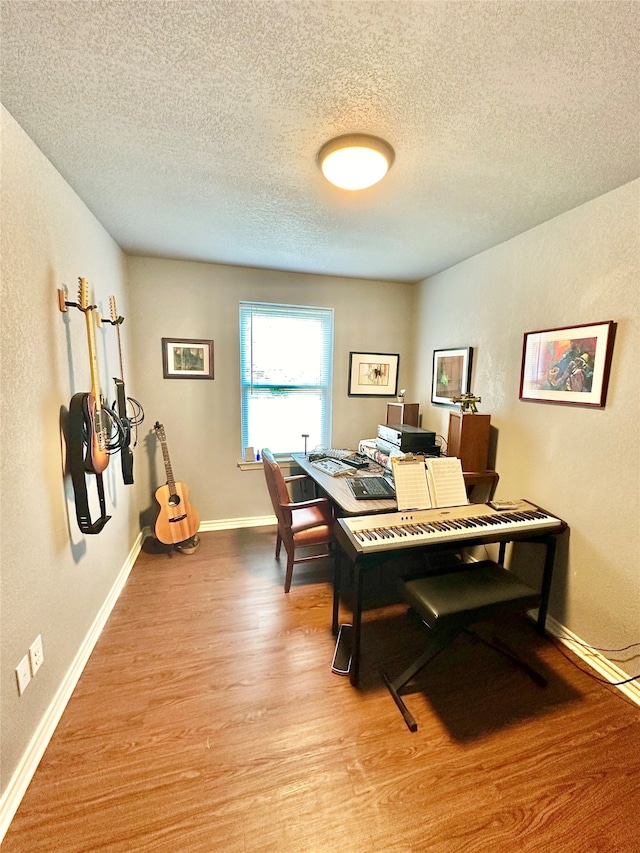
(120, 352)
(167, 466)
(93, 360)
(116, 321)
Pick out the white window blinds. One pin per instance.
(286, 369)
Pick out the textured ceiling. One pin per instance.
(190, 128)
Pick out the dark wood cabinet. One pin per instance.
(403, 413)
(469, 439)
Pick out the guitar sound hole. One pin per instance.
(174, 500)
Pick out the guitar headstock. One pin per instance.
(83, 294)
(112, 309)
(159, 431)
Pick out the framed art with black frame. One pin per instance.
(373, 374)
(186, 358)
(451, 374)
(568, 365)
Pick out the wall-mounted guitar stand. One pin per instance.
(79, 434)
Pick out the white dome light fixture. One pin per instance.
(355, 161)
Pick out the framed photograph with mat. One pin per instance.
(569, 365)
(451, 374)
(373, 374)
(186, 358)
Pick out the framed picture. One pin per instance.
(184, 358)
(569, 365)
(373, 374)
(451, 374)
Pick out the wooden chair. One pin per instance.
(301, 524)
(448, 603)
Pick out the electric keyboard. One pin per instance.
(396, 530)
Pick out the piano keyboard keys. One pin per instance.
(397, 530)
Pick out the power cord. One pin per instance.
(594, 649)
(591, 648)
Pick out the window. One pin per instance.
(286, 367)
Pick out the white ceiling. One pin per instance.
(190, 128)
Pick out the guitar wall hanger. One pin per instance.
(115, 430)
(119, 320)
(90, 424)
(64, 303)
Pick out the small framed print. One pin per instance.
(373, 374)
(185, 358)
(570, 365)
(451, 374)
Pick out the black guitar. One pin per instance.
(126, 453)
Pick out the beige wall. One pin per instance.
(202, 418)
(54, 580)
(582, 464)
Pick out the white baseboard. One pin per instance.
(607, 670)
(27, 765)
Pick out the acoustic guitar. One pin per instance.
(97, 426)
(126, 453)
(177, 520)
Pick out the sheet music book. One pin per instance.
(410, 481)
(439, 484)
(446, 481)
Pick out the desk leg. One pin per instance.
(354, 672)
(337, 572)
(547, 577)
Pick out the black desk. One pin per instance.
(361, 561)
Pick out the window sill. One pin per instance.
(249, 466)
(285, 462)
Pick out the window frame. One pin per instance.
(326, 316)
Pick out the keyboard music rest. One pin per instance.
(451, 530)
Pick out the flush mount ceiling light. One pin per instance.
(355, 161)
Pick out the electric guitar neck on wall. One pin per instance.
(177, 520)
(96, 420)
(126, 453)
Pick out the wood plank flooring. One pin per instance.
(208, 719)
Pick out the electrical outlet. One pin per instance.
(36, 655)
(23, 674)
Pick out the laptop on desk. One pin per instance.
(371, 488)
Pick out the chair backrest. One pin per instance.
(481, 485)
(278, 491)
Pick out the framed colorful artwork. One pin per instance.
(373, 374)
(569, 365)
(451, 374)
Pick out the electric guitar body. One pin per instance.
(177, 520)
(96, 457)
(126, 453)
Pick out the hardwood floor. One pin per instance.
(208, 719)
